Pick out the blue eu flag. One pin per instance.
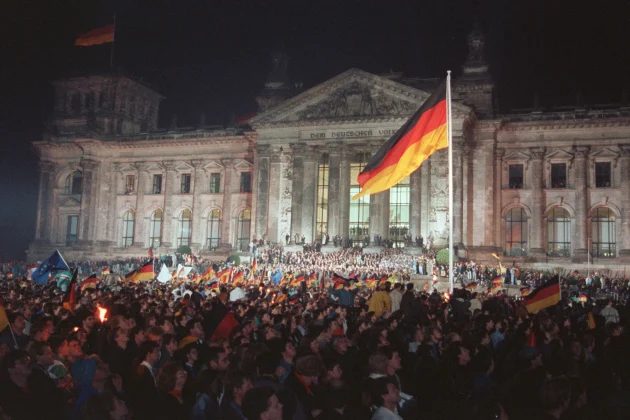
(275, 279)
(54, 262)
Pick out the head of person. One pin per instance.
(17, 364)
(218, 359)
(172, 376)
(237, 383)
(41, 353)
(309, 368)
(149, 352)
(555, 394)
(384, 392)
(195, 329)
(262, 404)
(105, 406)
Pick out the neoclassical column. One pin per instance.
(169, 190)
(344, 192)
(309, 188)
(580, 164)
(299, 152)
(228, 217)
(457, 218)
(197, 241)
(262, 165)
(536, 246)
(415, 203)
(498, 170)
(87, 199)
(425, 198)
(334, 174)
(138, 237)
(114, 176)
(379, 214)
(44, 208)
(624, 190)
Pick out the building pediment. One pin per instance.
(69, 201)
(243, 165)
(604, 153)
(516, 155)
(353, 96)
(559, 155)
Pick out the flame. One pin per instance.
(446, 296)
(75, 329)
(102, 314)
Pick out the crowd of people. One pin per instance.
(189, 349)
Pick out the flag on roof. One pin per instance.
(412, 144)
(96, 36)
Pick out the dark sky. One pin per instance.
(212, 56)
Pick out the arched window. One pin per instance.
(214, 229)
(516, 232)
(129, 221)
(74, 183)
(558, 233)
(244, 223)
(603, 233)
(184, 228)
(155, 229)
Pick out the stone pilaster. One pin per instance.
(624, 189)
(114, 176)
(229, 219)
(425, 198)
(580, 236)
(536, 245)
(415, 203)
(498, 205)
(261, 208)
(334, 168)
(140, 222)
(344, 193)
(309, 188)
(45, 200)
(169, 190)
(457, 218)
(197, 240)
(299, 152)
(87, 199)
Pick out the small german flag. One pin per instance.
(254, 266)
(105, 271)
(214, 286)
(70, 299)
(225, 275)
(525, 291)
(497, 280)
(471, 286)
(97, 36)
(583, 298)
(89, 283)
(339, 285)
(412, 144)
(370, 283)
(238, 278)
(209, 274)
(426, 286)
(297, 280)
(544, 296)
(494, 288)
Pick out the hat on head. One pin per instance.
(310, 365)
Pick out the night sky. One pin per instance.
(213, 56)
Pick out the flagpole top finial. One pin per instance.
(448, 72)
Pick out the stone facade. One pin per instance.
(537, 186)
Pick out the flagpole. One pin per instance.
(449, 130)
(111, 53)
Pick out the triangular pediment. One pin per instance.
(69, 201)
(127, 167)
(604, 152)
(154, 167)
(516, 155)
(213, 165)
(352, 96)
(184, 167)
(559, 154)
(243, 164)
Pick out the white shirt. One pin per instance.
(148, 366)
(236, 294)
(383, 413)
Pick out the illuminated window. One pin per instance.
(214, 229)
(155, 229)
(359, 209)
(516, 232)
(184, 228)
(321, 223)
(242, 229)
(129, 220)
(603, 233)
(558, 233)
(399, 211)
(157, 184)
(130, 184)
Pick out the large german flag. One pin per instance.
(96, 37)
(544, 296)
(413, 143)
(142, 273)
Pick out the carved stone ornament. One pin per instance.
(357, 100)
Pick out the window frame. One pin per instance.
(321, 216)
(185, 183)
(600, 249)
(72, 238)
(607, 184)
(514, 185)
(558, 225)
(157, 187)
(215, 176)
(242, 242)
(509, 242)
(213, 242)
(128, 228)
(246, 183)
(183, 225)
(152, 227)
(558, 183)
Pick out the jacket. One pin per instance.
(396, 297)
(379, 303)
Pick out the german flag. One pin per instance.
(4, 319)
(105, 271)
(254, 266)
(370, 283)
(70, 299)
(471, 286)
(89, 283)
(525, 291)
(142, 273)
(214, 286)
(544, 296)
(495, 288)
(96, 36)
(297, 280)
(238, 278)
(339, 285)
(383, 279)
(426, 286)
(209, 274)
(412, 144)
(497, 280)
(224, 275)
